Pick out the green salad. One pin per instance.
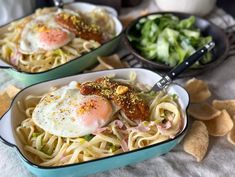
(167, 39)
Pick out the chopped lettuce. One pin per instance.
(171, 35)
(162, 48)
(191, 33)
(167, 39)
(187, 23)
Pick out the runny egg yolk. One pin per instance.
(53, 38)
(94, 111)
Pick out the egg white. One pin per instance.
(56, 111)
(30, 43)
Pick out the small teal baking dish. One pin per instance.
(12, 118)
(73, 66)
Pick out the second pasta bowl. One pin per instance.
(51, 44)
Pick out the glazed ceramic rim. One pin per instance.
(162, 66)
(182, 132)
(76, 58)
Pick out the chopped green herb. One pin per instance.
(35, 135)
(175, 97)
(88, 137)
(113, 148)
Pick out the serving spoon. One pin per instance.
(168, 78)
(59, 4)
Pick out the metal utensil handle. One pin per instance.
(190, 60)
(59, 3)
(167, 79)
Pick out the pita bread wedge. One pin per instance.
(111, 62)
(231, 134)
(203, 111)
(220, 125)
(99, 67)
(11, 90)
(197, 140)
(229, 105)
(5, 101)
(198, 90)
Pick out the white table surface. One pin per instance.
(220, 158)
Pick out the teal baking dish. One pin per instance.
(76, 65)
(13, 117)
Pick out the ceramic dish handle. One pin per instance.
(6, 133)
(4, 65)
(191, 60)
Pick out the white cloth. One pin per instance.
(220, 158)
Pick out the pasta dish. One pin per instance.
(94, 119)
(50, 38)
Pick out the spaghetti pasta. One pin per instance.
(120, 135)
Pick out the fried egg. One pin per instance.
(65, 112)
(42, 33)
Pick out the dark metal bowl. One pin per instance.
(207, 28)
